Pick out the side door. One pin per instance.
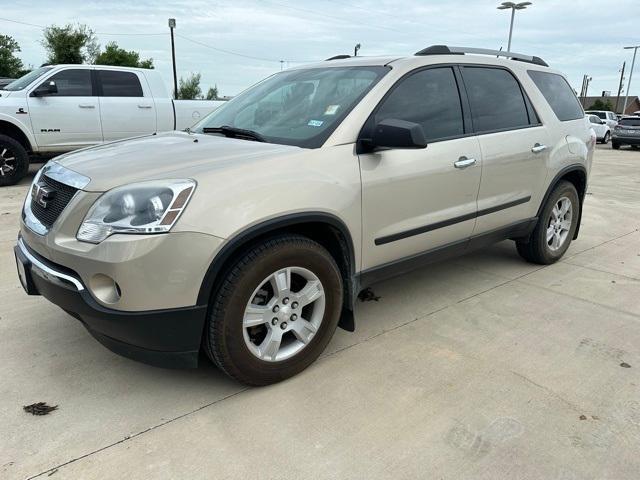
(69, 118)
(419, 200)
(126, 104)
(515, 147)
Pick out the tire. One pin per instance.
(241, 351)
(14, 161)
(605, 140)
(615, 146)
(537, 249)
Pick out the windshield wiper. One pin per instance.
(234, 132)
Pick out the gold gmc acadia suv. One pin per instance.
(250, 235)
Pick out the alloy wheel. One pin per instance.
(559, 224)
(8, 162)
(283, 314)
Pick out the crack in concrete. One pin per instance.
(549, 391)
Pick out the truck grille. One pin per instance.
(62, 196)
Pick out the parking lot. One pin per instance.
(475, 368)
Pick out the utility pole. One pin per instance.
(355, 50)
(633, 62)
(172, 25)
(281, 65)
(620, 86)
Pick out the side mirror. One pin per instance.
(394, 133)
(47, 88)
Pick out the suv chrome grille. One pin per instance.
(61, 196)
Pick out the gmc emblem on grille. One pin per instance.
(42, 195)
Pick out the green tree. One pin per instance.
(114, 55)
(189, 89)
(212, 94)
(601, 105)
(10, 65)
(70, 44)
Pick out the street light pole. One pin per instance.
(513, 7)
(172, 25)
(633, 62)
(355, 50)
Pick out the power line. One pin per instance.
(237, 54)
(42, 27)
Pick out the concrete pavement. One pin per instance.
(481, 367)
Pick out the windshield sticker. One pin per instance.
(315, 123)
(332, 110)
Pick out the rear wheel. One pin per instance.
(555, 228)
(275, 311)
(14, 161)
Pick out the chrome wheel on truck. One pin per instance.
(14, 161)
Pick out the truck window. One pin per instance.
(429, 97)
(558, 93)
(119, 84)
(496, 100)
(72, 83)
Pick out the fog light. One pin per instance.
(105, 288)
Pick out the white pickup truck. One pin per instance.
(59, 108)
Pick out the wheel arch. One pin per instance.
(14, 131)
(575, 174)
(326, 229)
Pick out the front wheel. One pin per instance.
(14, 161)
(555, 228)
(606, 138)
(275, 311)
(615, 146)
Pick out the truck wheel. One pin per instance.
(14, 161)
(555, 228)
(605, 140)
(275, 311)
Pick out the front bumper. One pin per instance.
(165, 338)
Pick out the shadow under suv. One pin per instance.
(250, 235)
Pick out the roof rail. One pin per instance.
(338, 57)
(446, 50)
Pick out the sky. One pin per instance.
(235, 43)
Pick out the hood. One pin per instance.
(167, 155)
(5, 93)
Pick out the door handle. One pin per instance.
(86, 105)
(464, 162)
(537, 148)
(144, 106)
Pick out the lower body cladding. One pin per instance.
(167, 338)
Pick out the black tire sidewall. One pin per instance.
(306, 254)
(22, 160)
(564, 189)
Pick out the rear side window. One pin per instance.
(558, 93)
(119, 84)
(496, 100)
(428, 97)
(73, 83)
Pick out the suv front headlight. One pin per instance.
(137, 208)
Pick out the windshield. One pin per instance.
(298, 107)
(26, 80)
(630, 122)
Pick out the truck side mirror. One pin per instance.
(46, 88)
(395, 133)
